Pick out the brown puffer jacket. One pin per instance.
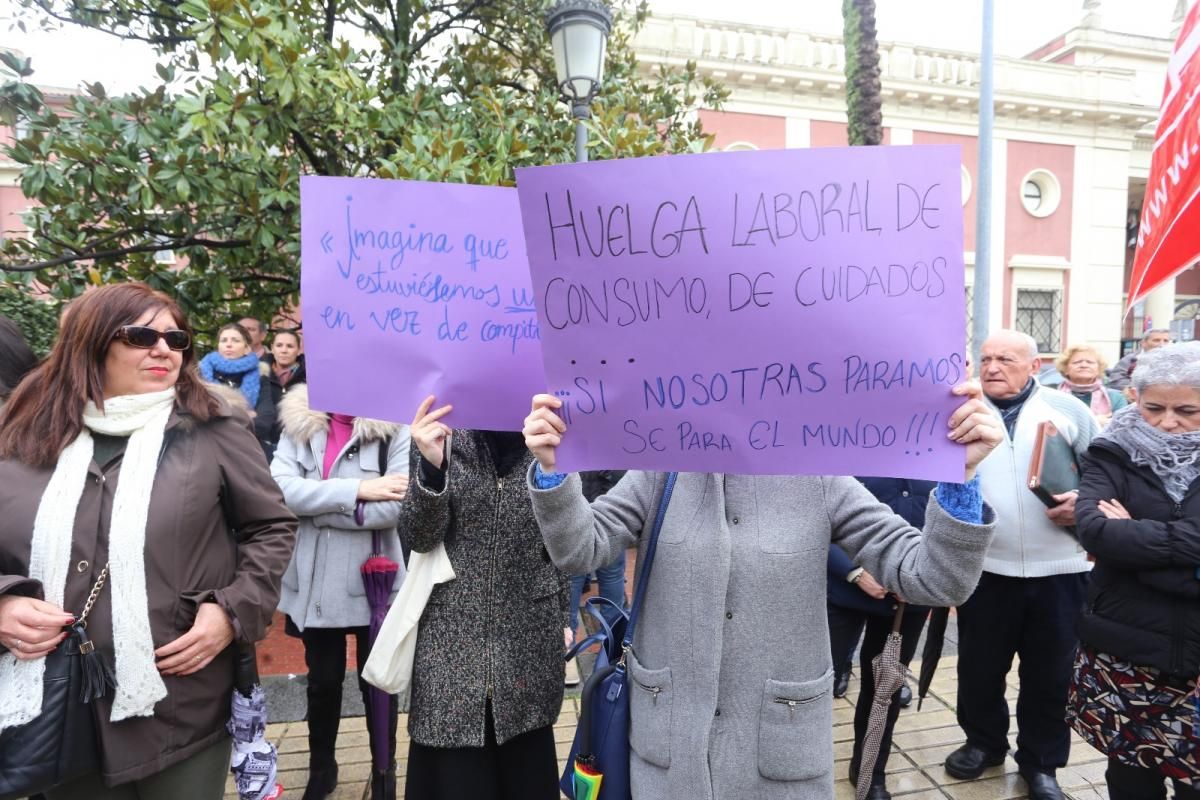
(191, 557)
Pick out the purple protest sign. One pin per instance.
(410, 289)
(773, 312)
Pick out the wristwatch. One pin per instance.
(855, 574)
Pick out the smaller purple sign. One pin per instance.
(410, 289)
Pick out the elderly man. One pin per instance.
(258, 334)
(1032, 587)
(1119, 375)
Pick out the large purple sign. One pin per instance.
(410, 289)
(787, 311)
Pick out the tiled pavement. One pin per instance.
(922, 741)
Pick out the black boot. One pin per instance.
(321, 782)
(383, 785)
(324, 716)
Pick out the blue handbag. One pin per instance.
(598, 767)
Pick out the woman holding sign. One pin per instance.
(730, 665)
(488, 672)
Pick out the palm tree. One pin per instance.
(864, 99)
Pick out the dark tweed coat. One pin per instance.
(496, 630)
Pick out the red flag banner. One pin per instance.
(1169, 234)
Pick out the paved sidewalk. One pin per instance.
(922, 741)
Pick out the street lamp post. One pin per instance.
(579, 34)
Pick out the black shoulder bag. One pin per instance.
(59, 744)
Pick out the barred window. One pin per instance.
(1039, 314)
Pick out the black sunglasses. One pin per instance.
(145, 337)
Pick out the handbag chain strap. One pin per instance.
(640, 594)
(91, 601)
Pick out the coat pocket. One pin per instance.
(795, 739)
(650, 698)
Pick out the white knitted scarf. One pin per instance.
(143, 417)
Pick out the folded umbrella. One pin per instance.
(889, 677)
(935, 639)
(379, 576)
(253, 758)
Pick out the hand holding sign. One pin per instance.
(974, 425)
(544, 430)
(428, 433)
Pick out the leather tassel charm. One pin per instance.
(97, 675)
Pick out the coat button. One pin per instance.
(82, 566)
(717, 713)
(736, 520)
(904, 494)
(728, 615)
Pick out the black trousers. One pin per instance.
(844, 627)
(1141, 783)
(523, 768)
(1034, 618)
(325, 656)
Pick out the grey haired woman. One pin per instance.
(1138, 513)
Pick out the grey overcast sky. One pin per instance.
(66, 58)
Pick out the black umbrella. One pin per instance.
(935, 639)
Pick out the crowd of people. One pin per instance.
(175, 503)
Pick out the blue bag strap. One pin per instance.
(596, 638)
(640, 594)
(593, 605)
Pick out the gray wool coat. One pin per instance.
(496, 630)
(323, 587)
(731, 678)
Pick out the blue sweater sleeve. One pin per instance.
(543, 481)
(838, 564)
(963, 501)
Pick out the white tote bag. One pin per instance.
(390, 665)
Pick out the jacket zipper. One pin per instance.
(654, 691)
(492, 583)
(314, 576)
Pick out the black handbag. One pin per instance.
(59, 744)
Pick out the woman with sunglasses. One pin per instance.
(234, 364)
(121, 477)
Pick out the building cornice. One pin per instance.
(802, 70)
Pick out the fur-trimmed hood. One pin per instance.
(301, 422)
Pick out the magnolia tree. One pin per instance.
(249, 95)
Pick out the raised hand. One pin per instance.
(544, 430)
(974, 425)
(429, 433)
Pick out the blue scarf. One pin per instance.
(214, 364)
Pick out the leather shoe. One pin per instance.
(1042, 785)
(905, 698)
(968, 762)
(841, 683)
(878, 790)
